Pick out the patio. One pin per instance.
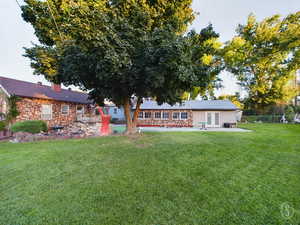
(121, 128)
(191, 129)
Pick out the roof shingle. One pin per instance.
(193, 105)
(32, 90)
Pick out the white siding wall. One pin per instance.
(198, 116)
(225, 116)
(228, 117)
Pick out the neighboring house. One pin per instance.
(53, 104)
(115, 112)
(214, 113)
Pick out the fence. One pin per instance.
(261, 118)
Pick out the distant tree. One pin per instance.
(118, 49)
(235, 99)
(265, 56)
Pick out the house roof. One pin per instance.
(33, 90)
(193, 105)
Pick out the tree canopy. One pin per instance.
(265, 56)
(235, 99)
(117, 49)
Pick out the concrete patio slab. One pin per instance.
(189, 129)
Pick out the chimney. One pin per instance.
(56, 87)
(39, 83)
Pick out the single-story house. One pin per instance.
(116, 113)
(195, 113)
(53, 104)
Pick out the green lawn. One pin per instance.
(159, 178)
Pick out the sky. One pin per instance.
(225, 15)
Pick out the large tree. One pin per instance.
(120, 49)
(235, 99)
(265, 56)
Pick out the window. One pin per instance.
(209, 118)
(4, 106)
(79, 109)
(46, 112)
(65, 109)
(141, 115)
(157, 115)
(115, 110)
(147, 115)
(217, 119)
(183, 115)
(165, 115)
(175, 115)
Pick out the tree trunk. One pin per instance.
(131, 122)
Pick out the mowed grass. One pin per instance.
(158, 178)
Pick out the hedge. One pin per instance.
(2, 125)
(30, 126)
(262, 118)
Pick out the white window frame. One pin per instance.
(81, 111)
(159, 117)
(178, 118)
(141, 118)
(184, 118)
(146, 118)
(162, 115)
(51, 112)
(62, 112)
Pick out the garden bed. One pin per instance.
(73, 131)
(5, 134)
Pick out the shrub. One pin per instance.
(289, 113)
(297, 109)
(262, 118)
(30, 126)
(2, 125)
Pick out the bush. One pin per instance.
(262, 118)
(30, 126)
(2, 125)
(289, 113)
(297, 109)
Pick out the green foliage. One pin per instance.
(289, 113)
(2, 125)
(261, 118)
(265, 56)
(297, 109)
(235, 99)
(119, 49)
(30, 126)
(12, 108)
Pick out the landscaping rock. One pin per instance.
(75, 130)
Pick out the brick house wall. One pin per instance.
(31, 109)
(170, 122)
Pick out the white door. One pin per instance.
(213, 119)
